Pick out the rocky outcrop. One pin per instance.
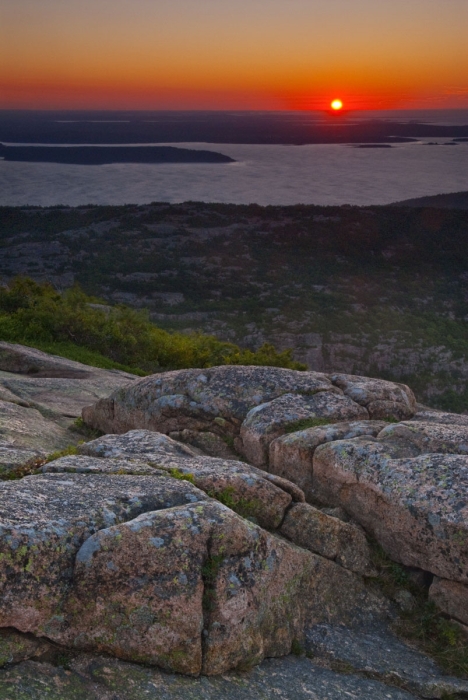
(41, 396)
(91, 677)
(252, 404)
(397, 472)
(291, 456)
(415, 507)
(180, 554)
(328, 536)
(149, 568)
(269, 420)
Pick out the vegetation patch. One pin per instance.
(304, 423)
(80, 427)
(247, 508)
(183, 476)
(210, 571)
(77, 326)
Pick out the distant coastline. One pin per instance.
(267, 128)
(103, 155)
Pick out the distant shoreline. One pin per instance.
(106, 155)
(254, 128)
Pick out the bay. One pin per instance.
(330, 174)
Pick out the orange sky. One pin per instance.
(226, 54)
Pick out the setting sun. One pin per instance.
(336, 104)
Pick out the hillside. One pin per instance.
(379, 291)
(452, 200)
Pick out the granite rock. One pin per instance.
(381, 398)
(268, 421)
(102, 678)
(416, 508)
(450, 597)
(215, 399)
(248, 490)
(291, 456)
(344, 543)
(45, 519)
(429, 436)
(378, 653)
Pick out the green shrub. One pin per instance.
(70, 325)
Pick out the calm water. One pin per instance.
(312, 174)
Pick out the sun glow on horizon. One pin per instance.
(336, 105)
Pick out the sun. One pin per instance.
(336, 105)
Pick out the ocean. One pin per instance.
(318, 173)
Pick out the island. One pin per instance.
(105, 155)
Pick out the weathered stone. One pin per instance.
(80, 464)
(451, 597)
(344, 543)
(61, 398)
(136, 443)
(45, 519)
(266, 422)
(140, 587)
(40, 395)
(31, 680)
(382, 399)
(248, 490)
(11, 457)
(429, 436)
(291, 456)
(26, 428)
(216, 399)
(379, 653)
(206, 443)
(16, 647)
(20, 359)
(431, 416)
(103, 678)
(416, 508)
(295, 588)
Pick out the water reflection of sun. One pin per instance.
(336, 105)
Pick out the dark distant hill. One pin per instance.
(379, 291)
(453, 200)
(100, 155)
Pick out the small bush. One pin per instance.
(70, 325)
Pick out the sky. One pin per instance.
(233, 54)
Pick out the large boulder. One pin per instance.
(259, 403)
(149, 568)
(216, 399)
(291, 456)
(381, 398)
(244, 488)
(266, 422)
(328, 536)
(416, 507)
(45, 519)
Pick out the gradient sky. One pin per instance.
(233, 54)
